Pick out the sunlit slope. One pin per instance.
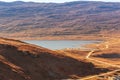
(27, 20)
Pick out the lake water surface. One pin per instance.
(60, 44)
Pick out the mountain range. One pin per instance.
(46, 20)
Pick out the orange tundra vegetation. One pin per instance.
(23, 61)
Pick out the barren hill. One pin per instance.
(22, 61)
(34, 20)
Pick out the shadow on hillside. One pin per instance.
(47, 65)
(109, 55)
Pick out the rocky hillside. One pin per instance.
(22, 61)
(33, 20)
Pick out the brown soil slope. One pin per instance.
(26, 20)
(22, 61)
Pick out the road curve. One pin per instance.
(101, 62)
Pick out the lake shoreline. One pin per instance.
(62, 44)
(67, 37)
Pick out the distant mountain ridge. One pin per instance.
(33, 20)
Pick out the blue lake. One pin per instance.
(60, 44)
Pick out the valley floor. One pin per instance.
(105, 54)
